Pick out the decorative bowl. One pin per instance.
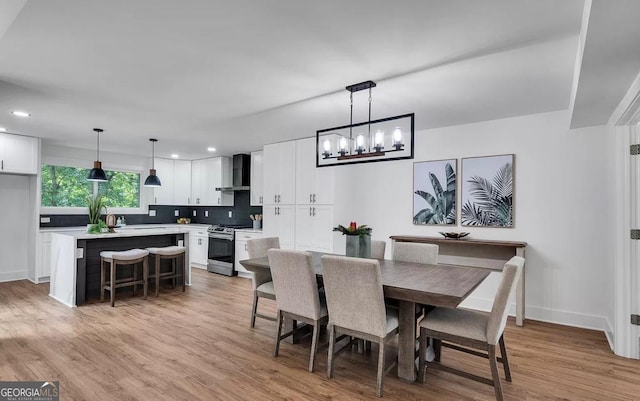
(454, 235)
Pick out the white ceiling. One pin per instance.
(239, 74)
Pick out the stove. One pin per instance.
(221, 253)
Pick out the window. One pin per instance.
(64, 186)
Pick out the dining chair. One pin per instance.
(357, 310)
(261, 282)
(377, 249)
(415, 252)
(294, 281)
(467, 331)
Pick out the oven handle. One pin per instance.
(217, 236)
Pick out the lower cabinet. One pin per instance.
(279, 221)
(241, 251)
(198, 248)
(43, 265)
(314, 231)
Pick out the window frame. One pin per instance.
(56, 161)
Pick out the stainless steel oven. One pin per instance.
(221, 252)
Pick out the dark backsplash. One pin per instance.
(165, 214)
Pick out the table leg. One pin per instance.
(520, 315)
(407, 342)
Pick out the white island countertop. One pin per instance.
(126, 232)
(136, 227)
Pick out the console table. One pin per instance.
(487, 254)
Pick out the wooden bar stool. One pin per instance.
(173, 253)
(123, 258)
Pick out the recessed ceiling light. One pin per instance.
(3, 129)
(211, 149)
(20, 113)
(174, 156)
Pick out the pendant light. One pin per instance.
(152, 180)
(97, 173)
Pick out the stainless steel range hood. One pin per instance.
(241, 174)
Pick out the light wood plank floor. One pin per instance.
(198, 346)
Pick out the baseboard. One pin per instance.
(564, 318)
(61, 301)
(14, 275)
(244, 274)
(609, 333)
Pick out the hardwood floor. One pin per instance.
(198, 346)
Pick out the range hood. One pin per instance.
(241, 174)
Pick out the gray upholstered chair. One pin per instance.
(294, 281)
(262, 284)
(357, 310)
(472, 329)
(415, 252)
(377, 249)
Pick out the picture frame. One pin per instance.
(435, 192)
(487, 191)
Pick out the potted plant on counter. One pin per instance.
(95, 206)
(358, 239)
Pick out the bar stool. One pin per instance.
(115, 259)
(173, 253)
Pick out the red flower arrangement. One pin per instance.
(354, 229)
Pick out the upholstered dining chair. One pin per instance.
(294, 281)
(467, 331)
(261, 282)
(415, 252)
(377, 249)
(357, 310)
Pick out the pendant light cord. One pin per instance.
(369, 120)
(153, 155)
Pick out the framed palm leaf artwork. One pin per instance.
(487, 191)
(434, 192)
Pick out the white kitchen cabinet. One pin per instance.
(182, 182)
(279, 173)
(314, 230)
(279, 221)
(198, 248)
(256, 179)
(206, 176)
(241, 251)
(43, 265)
(18, 154)
(163, 195)
(313, 185)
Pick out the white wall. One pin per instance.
(15, 236)
(562, 208)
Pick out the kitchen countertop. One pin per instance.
(249, 230)
(126, 232)
(127, 227)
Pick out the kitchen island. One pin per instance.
(75, 257)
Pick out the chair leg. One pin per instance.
(145, 276)
(422, 356)
(332, 344)
(102, 283)
(497, 386)
(135, 278)
(173, 273)
(254, 308)
(380, 368)
(314, 345)
(113, 282)
(505, 361)
(157, 275)
(184, 271)
(437, 349)
(276, 346)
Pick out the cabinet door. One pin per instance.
(279, 221)
(271, 171)
(182, 182)
(304, 228)
(256, 178)
(322, 228)
(198, 249)
(213, 181)
(305, 171)
(45, 265)
(241, 254)
(198, 173)
(19, 154)
(324, 186)
(163, 195)
(288, 173)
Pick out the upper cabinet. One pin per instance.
(18, 154)
(206, 176)
(314, 185)
(279, 173)
(175, 176)
(256, 179)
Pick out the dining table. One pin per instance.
(443, 285)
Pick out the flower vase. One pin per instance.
(358, 246)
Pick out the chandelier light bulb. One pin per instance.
(327, 145)
(379, 138)
(343, 143)
(397, 135)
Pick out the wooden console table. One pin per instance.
(487, 254)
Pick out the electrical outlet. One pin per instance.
(176, 213)
(45, 219)
(206, 213)
(230, 214)
(152, 213)
(79, 253)
(194, 213)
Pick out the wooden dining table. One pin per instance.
(410, 284)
